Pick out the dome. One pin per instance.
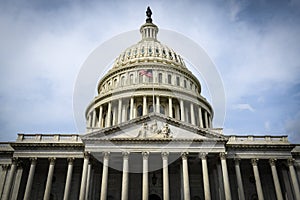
(148, 78)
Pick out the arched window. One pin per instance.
(123, 80)
(131, 78)
(160, 78)
(116, 83)
(184, 83)
(162, 109)
(140, 110)
(150, 109)
(169, 79)
(177, 81)
(141, 78)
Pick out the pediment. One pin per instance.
(154, 127)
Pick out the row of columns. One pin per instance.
(86, 173)
(119, 113)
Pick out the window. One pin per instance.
(160, 78)
(184, 83)
(150, 109)
(170, 55)
(139, 110)
(128, 113)
(157, 51)
(162, 109)
(123, 80)
(177, 81)
(141, 78)
(115, 82)
(131, 78)
(169, 79)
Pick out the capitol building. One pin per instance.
(149, 136)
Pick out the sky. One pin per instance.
(254, 44)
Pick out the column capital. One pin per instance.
(33, 160)
(164, 155)
(52, 160)
(290, 161)
(203, 155)
(254, 161)
(145, 155)
(184, 155)
(86, 154)
(272, 161)
(126, 155)
(223, 155)
(106, 155)
(70, 160)
(237, 161)
(14, 160)
(5, 166)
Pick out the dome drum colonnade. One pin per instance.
(148, 77)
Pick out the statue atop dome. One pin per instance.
(148, 14)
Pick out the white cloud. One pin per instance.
(243, 107)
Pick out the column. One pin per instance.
(108, 116)
(200, 117)
(10, 178)
(89, 120)
(257, 179)
(272, 162)
(30, 178)
(100, 116)
(88, 180)
(205, 119)
(203, 157)
(145, 176)
(114, 121)
(182, 110)
(17, 181)
(192, 114)
(145, 110)
(104, 176)
(124, 194)
(157, 104)
(164, 156)
(225, 176)
(69, 178)
(49, 178)
(124, 113)
(94, 119)
(86, 158)
(5, 168)
(294, 178)
(185, 172)
(239, 179)
(120, 111)
(131, 107)
(170, 107)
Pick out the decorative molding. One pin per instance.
(184, 155)
(52, 160)
(272, 161)
(86, 155)
(106, 155)
(145, 155)
(33, 160)
(164, 155)
(290, 161)
(125, 155)
(203, 155)
(5, 166)
(223, 155)
(70, 160)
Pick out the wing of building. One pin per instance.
(149, 135)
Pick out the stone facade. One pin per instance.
(149, 136)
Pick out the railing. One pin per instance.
(264, 138)
(48, 138)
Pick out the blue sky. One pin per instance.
(254, 44)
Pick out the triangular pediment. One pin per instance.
(154, 127)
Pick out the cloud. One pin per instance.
(243, 107)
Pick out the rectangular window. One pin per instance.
(169, 79)
(160, 78)
(177, 81)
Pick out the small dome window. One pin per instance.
(128, 53)
(164, 53)
(142, 50)
(175, 58)
(170, 55)
(135, 52)
(150, 51)
(157, 51)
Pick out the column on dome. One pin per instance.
(170, 107)
(94, 119)
(200, 117)
(49, 178)
(125, 178)
(206, 118)
(120, 111)
(259, 190)
(225, 176)
(145, 110)
(145, 176)
(108, 115)
(192, 114)
(272, 162)
(114, 116)
(68, 178)
(104, 176)
(182, 112)
(86, 158)
(185, 172)
(3, 177)
(17, 182)
(157, 104)
(164, 156)
(294, 178)
(203, 157)
(131, 107)
(124, 113)
(89, 120)
(100, 117)
(33, 162)
(209, 121)
(241, 193)
(9, 181)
